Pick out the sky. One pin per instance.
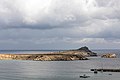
(59, 24)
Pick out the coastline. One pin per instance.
(42, 57)
(68, 55)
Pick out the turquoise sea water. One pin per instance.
(58, 70)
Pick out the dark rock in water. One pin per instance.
(106, 70)
(84, 76)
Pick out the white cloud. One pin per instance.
(92, 40)
(60, 21)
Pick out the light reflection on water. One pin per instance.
(57, 70)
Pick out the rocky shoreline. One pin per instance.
(42, 57)
(109, 55)
(68, 55)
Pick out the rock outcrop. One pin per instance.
(68, 55)
(42, 57)
(84, 51)
(109, 55)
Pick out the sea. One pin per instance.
(59, 70)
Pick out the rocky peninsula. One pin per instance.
(68, 55)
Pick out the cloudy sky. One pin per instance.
(59, 24)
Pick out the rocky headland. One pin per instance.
(68, 55)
